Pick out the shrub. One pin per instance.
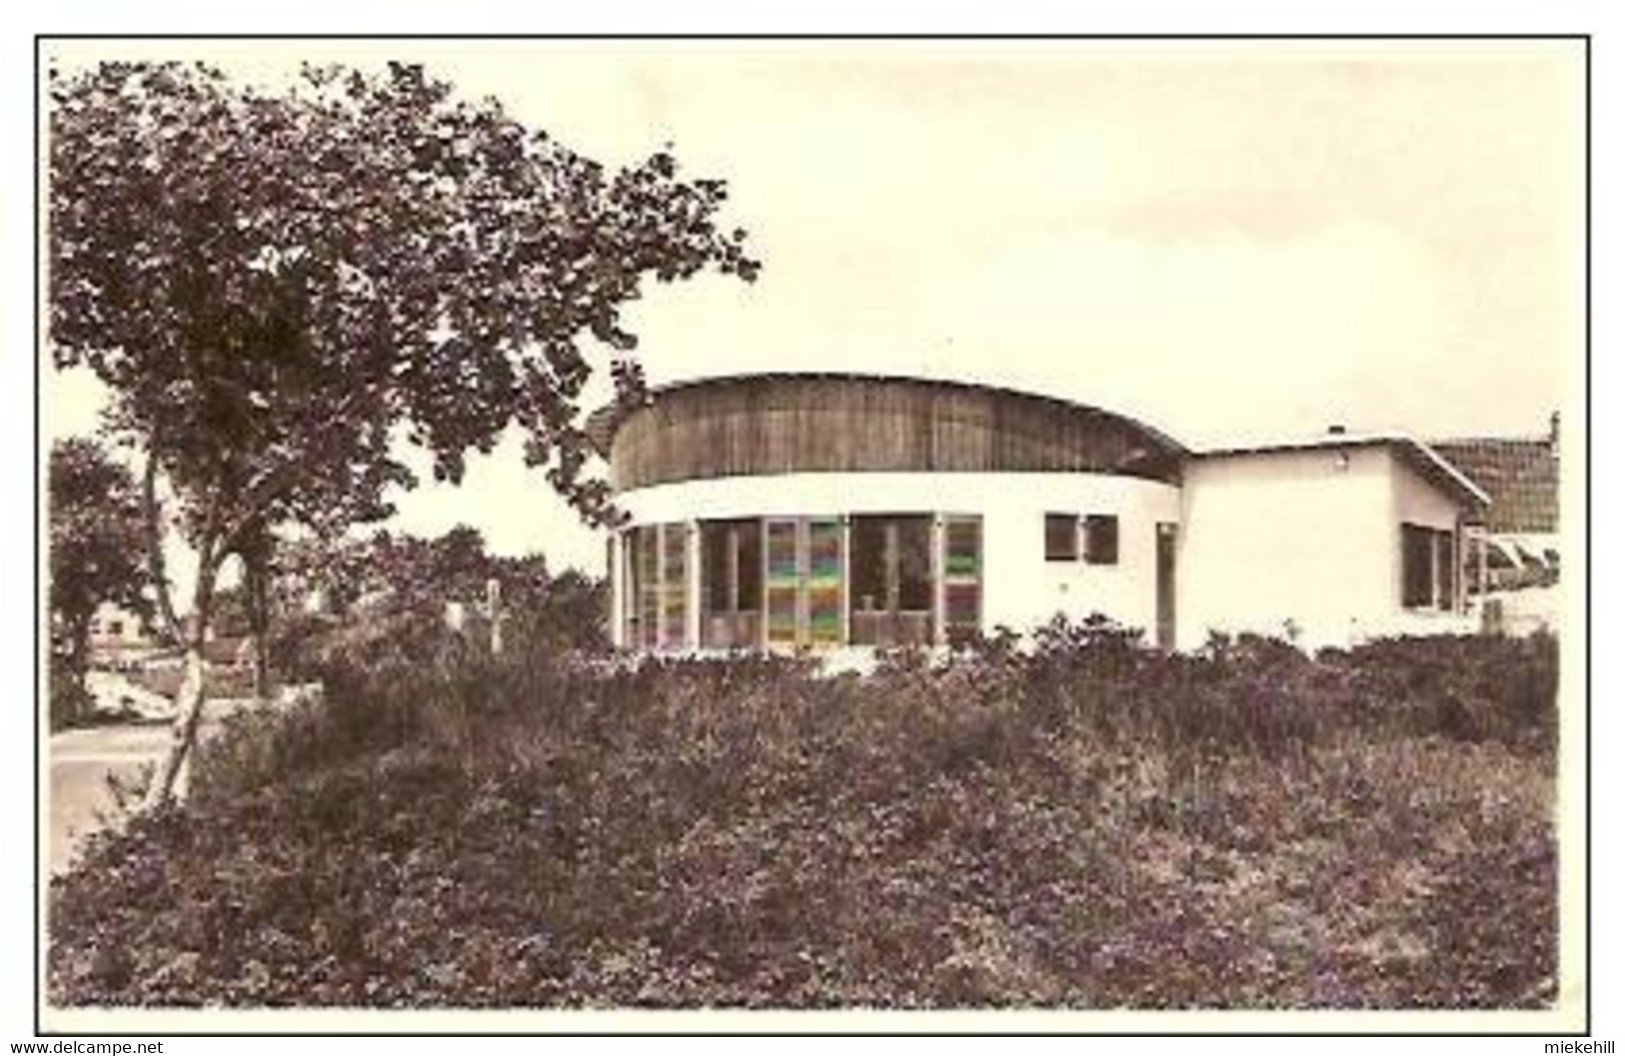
(1084, 823)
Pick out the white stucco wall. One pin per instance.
(1418, 502)
(1020, 589)
(1310, 536)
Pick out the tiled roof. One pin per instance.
(1519, 475)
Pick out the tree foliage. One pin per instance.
(271, 282)
(391, 592)
(275, 285)
(98, 548)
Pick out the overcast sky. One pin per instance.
(1230, 242)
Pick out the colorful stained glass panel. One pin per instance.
(962, 577)
(824, 575)
(783, 582)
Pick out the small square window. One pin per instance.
(1060, 537)
(1100, 534)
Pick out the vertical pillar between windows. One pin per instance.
(660, 587)
(692, 586)
(617, 604)
(762, 636)
(846, 580)
(1483, 565)
(803, 571)
(939, 595)
(1460, 592)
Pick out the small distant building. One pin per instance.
(116, 633)
(833, 511)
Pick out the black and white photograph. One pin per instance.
(666, 533)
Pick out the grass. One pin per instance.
(1090, 826)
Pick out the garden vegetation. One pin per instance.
(1083, 824)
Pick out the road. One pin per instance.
(81, 762)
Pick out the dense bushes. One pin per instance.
(1086, 824)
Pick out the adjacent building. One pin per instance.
(1520, 475)
(828, 511)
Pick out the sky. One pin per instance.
(1231, 242)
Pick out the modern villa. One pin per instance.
(826, 511)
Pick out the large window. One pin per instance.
(641, 602)
(803, 581)
(891, 599)
(1428, 559)
(730, 583)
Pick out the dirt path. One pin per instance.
(81, 762)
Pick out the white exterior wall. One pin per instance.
(1418, 502)
(1302, 535)
(1019, 588)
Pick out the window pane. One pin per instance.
(1101, 533)
(913, 564)
(715, 566)
(824, 581)
(750, 566)
(962, 578)
(1416, 553)
(783, 582)
(648, 581)
(868, 564)
(675, 586)
(1060, 537)
(891, 577)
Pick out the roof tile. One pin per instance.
(1520, 476)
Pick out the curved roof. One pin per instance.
(852, 422)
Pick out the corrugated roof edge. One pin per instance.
(602, 423)
(1429, 460)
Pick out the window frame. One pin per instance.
(1052, 535)
(1430, 570)
(1106, 528)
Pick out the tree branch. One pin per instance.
(272, 483)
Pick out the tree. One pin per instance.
(98, 545)
(273, 283)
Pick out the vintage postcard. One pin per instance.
(1057, 534)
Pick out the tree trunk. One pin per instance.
(255, 557)
(259, 620)
(262, 668)
(75, 665)
(170, 779)
(80, 666)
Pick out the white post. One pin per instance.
(939, 589)
(617, 584)
(1483, 564)
(493, 608)
(691, 611)
(659, 636)
(846, 580)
